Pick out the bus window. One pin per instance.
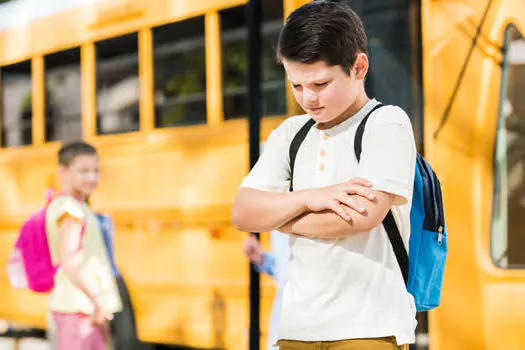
(235, 61)
(508, 235)
(117, 80)
(180, 73)
(63, 96)
(17, 110)
(394, 53)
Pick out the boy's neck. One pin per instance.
(355, 107)
(75, 194)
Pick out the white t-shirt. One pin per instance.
(353, 287)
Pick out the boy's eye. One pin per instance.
(321, 84)
(295, 86)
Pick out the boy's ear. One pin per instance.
(361, 66)
(61, 172)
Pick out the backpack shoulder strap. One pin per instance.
(397, 243)
(388, 222)
(296, 143)
(358, 141)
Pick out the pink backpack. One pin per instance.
(30, 265)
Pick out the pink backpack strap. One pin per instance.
(50, 194)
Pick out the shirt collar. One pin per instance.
(356, 118)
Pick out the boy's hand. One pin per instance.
(337, 197)
(253, 250)
(100, 316)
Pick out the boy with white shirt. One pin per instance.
(345, 289)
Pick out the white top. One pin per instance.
(348, 288)
(95, 264)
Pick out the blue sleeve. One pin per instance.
(268, 265)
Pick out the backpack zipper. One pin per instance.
(435, 214)
(441, 219)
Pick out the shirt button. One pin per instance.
(321, 168)
(325, 136)
(322, 153)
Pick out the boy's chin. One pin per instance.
(323, 118)
(86, 192)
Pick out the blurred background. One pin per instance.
(169, 93)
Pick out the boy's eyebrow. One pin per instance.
(313, 81)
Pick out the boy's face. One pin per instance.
(326, 92)
(81, 176)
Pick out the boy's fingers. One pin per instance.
(363, 193)
(354, 205)
(338, 209)
(361, 182)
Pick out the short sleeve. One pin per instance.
(64, 206)
(389, 154)
(271, 173)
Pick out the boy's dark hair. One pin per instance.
(73, 149)
(328, 31)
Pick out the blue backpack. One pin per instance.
(423, 267)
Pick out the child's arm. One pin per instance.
(259, 211)
(268, 264)
(328, 225)
(263, 262)
(70, 238)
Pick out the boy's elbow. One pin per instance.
(70, 262)
(368, 223)
(245, 221)
(249, 216)
(237, 219)
(356, 226)
(68, 267)
(237, 214)
(241, 212)
(240, 217)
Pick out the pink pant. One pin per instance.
(75, 331)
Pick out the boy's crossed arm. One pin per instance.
(330, 209)
(329, 225)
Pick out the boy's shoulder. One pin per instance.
(291, 125)
(65, 204)
(295, 122)
(390, 114)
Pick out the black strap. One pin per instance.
(388, 222)
(397, 243)
(296, 143)
(358, 141)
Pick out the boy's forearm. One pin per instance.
(321, 225)
(259, 211)
(328, 225)
(70, 257)
(73, 271)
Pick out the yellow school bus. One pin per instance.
(159, 87)
(473, 69)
